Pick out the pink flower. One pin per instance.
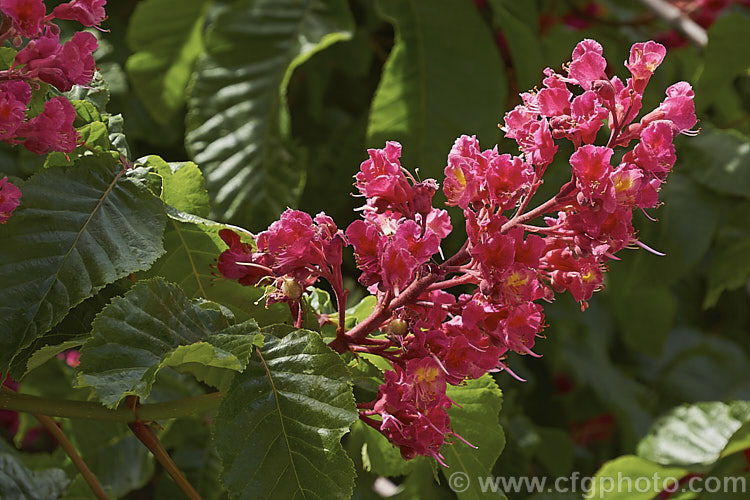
(14, 98)
(643, 61)
(40, 52)
(366, 240)
(679, 107)
(381, 179)
(508, 178)
(655, 153)
(579, 276)
(27, 15)
(554, 101)
(71, 357)
(463, 175)
(412, 404)
(588, 64)
(592, 170)
(60, 65)
(10, 198)
(86, 12)
(52, 130)
(239, 262)
(535, 140)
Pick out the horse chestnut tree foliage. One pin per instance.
(133, 328)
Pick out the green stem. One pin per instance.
(66, 445)
(87, 410)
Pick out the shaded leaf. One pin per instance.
(720, 159)
(278, 428)
(237, 124)
(730, 266)
(722, 61)
(154, 326)
(427, 97)
(17, 481)
(165, 47)
(645, 318)
(77, 229)
(193, 245)
(376, 453)
(519, 22)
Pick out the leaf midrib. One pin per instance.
(67, 255)
(281, 420)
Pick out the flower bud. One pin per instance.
(291, 289)
(398, 326)
(604, 90)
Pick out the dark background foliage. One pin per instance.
(279, 112)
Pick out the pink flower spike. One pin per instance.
(87, 12)
(10, 198)
(643, 61)
(27, 15)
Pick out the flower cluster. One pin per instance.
(293, 253)
(44, 59)
(433, 338)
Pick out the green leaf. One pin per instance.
(50, 351)
(476, 419)
(740, 441)
(17, 481)
(519, 22)
(698, 367)
(645, 318)
(378, 454)
(166, 39)
(684, 231)
(94, 142)
(722, 61)
(120, 463)
(77, 229)
(612, 480)
(427, 95)
(182, 187)
(278, 428)
(729, 267)
(238, 123)
(86, 112)
(691, 435)
(154, 326)
(720, 159)
(193, 245)
(7, 56)
(586, 353)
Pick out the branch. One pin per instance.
(66, 445)
(87, 410)
(147, 436)
(678, 20)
